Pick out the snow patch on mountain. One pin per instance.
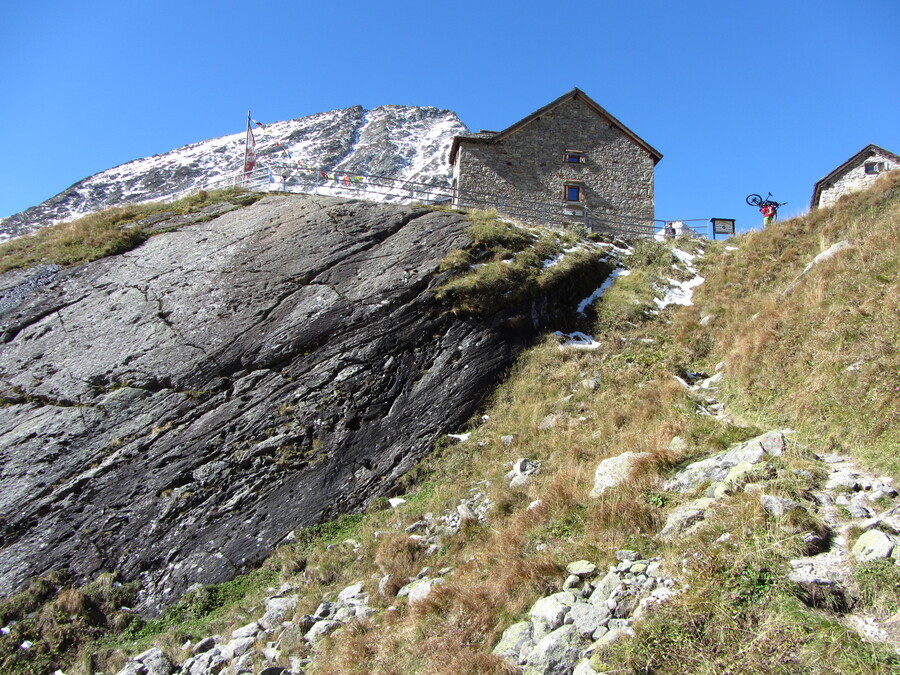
(408, 143)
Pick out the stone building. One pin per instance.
(856, 173)
(571, 161)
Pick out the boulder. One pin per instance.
(155, 662)
(606, 588)
(685, 517)
(556, 653)
(717, 467)
(278, 610)
(581, 568)
(548, 613)
(250, 630)
(872, 545)
(588, 617)
(614, 471)
(516, 643)
(778, 507)
(322, 628)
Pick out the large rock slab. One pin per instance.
(175, 411)
(717, 467)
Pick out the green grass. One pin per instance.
(823, 357)
(505, 265)
(104, 233)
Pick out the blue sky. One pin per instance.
(739, 97)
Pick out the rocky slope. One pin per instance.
(402, 142)
(174, 412)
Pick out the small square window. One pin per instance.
(873, 168)
(573, 193)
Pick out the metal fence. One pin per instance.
(291, 178)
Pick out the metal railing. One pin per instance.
(292, 178)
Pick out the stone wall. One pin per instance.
(616, 175)
(855, 179)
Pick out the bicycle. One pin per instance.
(756, 200)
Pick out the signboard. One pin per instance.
(722, 226)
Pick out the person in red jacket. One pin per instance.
(769, 212)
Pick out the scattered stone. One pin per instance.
(204, 645)
(717, 467)
(555, 654)
(842, 479)
(615, 470)
(685, 517)
(277, 610)
(548, 614)
(548, 422)
(712, 382)
(614, 635)
(678, 445)
(590, 383)
(322, 628)
(507, 440)
(155, 662)
(515, 643)
(236, 647)
(466, 513)
(584, 667)
(778, 507)
(521, 472)
(353, 594)
(605, 588)
(581, 568)
(421, 589)
(588, 617)
(250, 630)
(872, 545)
(394, 502)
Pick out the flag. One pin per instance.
(275, 140)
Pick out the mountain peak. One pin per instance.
(401, 142)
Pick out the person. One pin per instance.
(769, 213)
(670, 230)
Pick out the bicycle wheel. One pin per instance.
(754, 200)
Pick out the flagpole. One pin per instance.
(246, 148)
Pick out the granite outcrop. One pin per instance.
(174, 412)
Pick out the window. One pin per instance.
(573, 193)
(873, 168)
(574, 157)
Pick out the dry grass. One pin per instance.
(825, 355)
(108, 232)
(786, 356)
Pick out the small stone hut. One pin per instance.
(856, 173)
(571, 160)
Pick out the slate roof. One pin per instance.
(870, 150)
(492, 137)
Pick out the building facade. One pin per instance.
(856, 173)
(571, 160)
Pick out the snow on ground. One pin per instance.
(596, 295)
(681, 292)
(576, 340)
